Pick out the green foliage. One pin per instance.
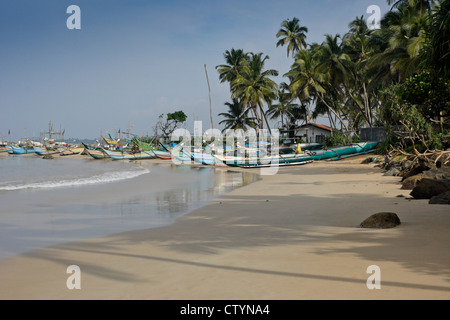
(337, 139)
(167, 126)
(178, 116)
(386, 145)
(431, 95)
(237, 116)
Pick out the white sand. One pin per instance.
(290, 236)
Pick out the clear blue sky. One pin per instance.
(133, 60)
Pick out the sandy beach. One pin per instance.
(289, 236)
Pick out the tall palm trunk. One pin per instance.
(334, 112)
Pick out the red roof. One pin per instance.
(321, 126)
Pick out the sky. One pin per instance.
(133, 60)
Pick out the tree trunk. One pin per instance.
(334, 112)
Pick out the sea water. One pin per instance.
(47, 202)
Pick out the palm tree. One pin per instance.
(237, 116)
(293, 35)
(422, 5)
(284, 108)
(404, 32)
(438, 55)
(234, 59)
(308, 83)
(254, 87)
(333, 61)
(334, 65)
(360, 45)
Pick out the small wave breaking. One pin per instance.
(96, 179)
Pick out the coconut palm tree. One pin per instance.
(308, 83)
(237, 116)
(333, 61)
(438, 53)
(422, 5)
(254, 87)
(335, 66)
(404, 32)
(361, 45)
(293, 35)
(284, 108)
(234, 61)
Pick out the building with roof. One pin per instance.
(317, 133)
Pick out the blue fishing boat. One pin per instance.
(288, 156)
(339, 152)
(204, 158)
(20, 150)
(40, 151)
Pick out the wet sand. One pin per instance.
(289, 236)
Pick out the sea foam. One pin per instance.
(96, 179)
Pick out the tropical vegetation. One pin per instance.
(396, 76)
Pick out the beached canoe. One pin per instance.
(289, 156)
(19, 150)
(95, 152)
(129, 155)
(165, 155)
(203, 158)
(5, 149)
(261, 161)
(40, 151)
(338, 152)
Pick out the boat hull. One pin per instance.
(16, 150)
(301, 158)
(338, 152)
(165, 155)
(40, 151)
(97, 154)
(119, 155)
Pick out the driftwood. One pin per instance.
(431, 158)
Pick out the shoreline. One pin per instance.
(84, 198)
(290, 236)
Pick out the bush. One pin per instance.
(386, 145)
(337, 139)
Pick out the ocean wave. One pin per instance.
(97, 179)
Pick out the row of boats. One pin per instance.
(240, 157)
(245, 156)
(31, 149)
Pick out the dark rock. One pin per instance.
(427, 188)
(370, 160)
(47, 156)
(406, 164)
(392, 172)
(381, 220)
(410, 182)
(419, 166)
(443, 198)
(436, 174)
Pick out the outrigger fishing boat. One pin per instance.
(337, 153)
(95, 152)
(113, 142)
(21, 150)
(289, 156)
(129, 155)
(5, 149)
(203, 158)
